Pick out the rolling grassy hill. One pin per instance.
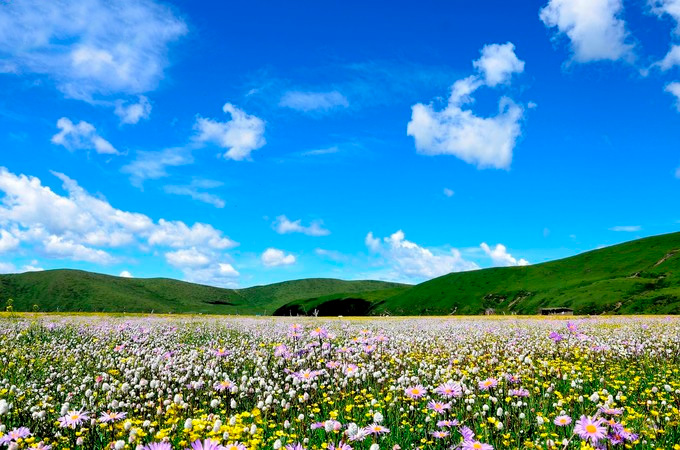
(636, 277)
(75, 290)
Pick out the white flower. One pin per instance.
(188, 424)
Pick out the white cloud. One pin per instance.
(313, 101)
(59, 247)
(216, 274)
(193, 190)
(448, 192)
(8, 241)
(125, 274)
(406, 260)
(283, 226)
(81, 136)
(332, 255)
(626, 228)
(152, 165)
(594, 28)
(667, 7)
(273, 257)
(131, 113)
(677, 173)
(90, 47)
(81, 227)
(456, 130)
(177, 234)
(321, 151)
(188, 258)
(500, 257)
(8, 267)
(674, 89)
(498, 62)
(483, 141)
(240, 135)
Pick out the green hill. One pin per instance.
(637, 277)
(75, 290)
(641, 276)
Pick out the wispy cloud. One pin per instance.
(195, 191)
(626, 228)
(81, 136)
(283, 225)
(90, 48)
(309, 101)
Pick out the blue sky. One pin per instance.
(242, 143)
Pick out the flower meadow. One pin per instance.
(190, 382)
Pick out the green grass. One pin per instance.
(75, 290)
(637, 277)
(628, 278)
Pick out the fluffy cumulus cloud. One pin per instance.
(594, 28)
(131, 113)
(457, 130)
(81, 227)
(125, 274)
(8, 241)
(498, 62)
(408, 261)
(305, 101)
(89, 47)
(283, 225)
(81, 136)
(500, 257)
(674, 89)
(240, 135)
(273, 257)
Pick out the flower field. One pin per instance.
(94, 382)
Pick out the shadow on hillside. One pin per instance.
(336, 307)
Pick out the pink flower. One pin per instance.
(440, 434)
(476, 445)
(15, 434)
(487, 384)
(376, 429)
(207, 444)
(235, 446)
(449, 390)
(350, 370)
(107, 417)
(415, 392)
(438, 407)
(340, 446)
(73, 419)
(224, 385)
(589, 429)
(562, 421)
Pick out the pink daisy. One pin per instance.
(487, 384)
(449, 390)
(415, 392)
(438, 407)
(589, 429)
(562, 421)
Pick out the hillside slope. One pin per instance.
(641, 276)
(75, 290)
